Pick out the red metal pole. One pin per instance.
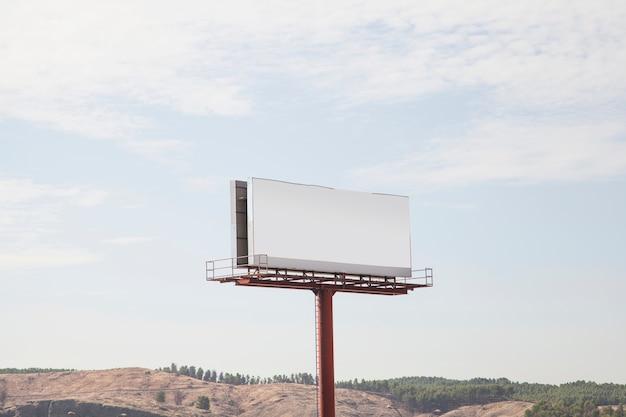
(325, 354)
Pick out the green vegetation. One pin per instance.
(425, 394)
(237, 379)
(178, 397)
(203, 403)
(159, 396)
(3, 391)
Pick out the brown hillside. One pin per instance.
(135, 388)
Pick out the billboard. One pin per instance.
(315, 228)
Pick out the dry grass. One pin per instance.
(135, 388)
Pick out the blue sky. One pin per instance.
(122, 123)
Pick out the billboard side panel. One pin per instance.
(310, 227)
(239, 220)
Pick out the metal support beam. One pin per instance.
(325, 353)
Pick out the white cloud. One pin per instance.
(532, 54)
(128, 240)
(206, 184)
(92, 68)
(508, 151)
(90, 198)
(87, 68)
(29, 215)
(18, 191)
(164, 151)
(43, 257)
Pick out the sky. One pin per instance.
(122, 124)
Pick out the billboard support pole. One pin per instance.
(325, 354)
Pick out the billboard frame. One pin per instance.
(316, 228)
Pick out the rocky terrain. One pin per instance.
(131, 392)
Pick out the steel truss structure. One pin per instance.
(259, 275)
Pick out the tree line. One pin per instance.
(237, 378)
(425, 394)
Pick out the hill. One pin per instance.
(130, 392)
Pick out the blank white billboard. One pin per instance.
(313, 228)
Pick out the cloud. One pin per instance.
(29, 215)
(510, 152)
(128, 240)
(24, 191)
(164, 151)
(560, 54)
(206, 184)
(92, 69)
(43, 257)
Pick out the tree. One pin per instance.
(3, 391)
(178, 397)
(203, 403)
(200, 373)
(160, 396)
